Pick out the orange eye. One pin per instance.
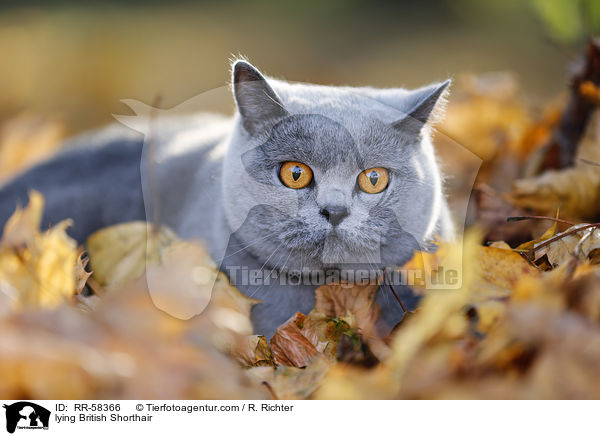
(373, 180)
(295, 175)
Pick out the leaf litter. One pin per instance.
(80, 322)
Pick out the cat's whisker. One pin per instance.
(244, 248)
(397, 228)
(282, 268)
(251, 293)
(386, 296)
(302, 261)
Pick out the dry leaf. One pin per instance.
(290, 346)
(488, 118)
(526, 246)
(125, 348)
(24, 224)
(509, 330)
(36, 269)
(355, 304)
(253, 350)
(500, 268)
(25, 140)
(289, 383)
(575, 190)
(121, 252)
(81, 274)
(583, 245)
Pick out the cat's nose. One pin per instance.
(334, 214)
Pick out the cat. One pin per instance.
(303, 180)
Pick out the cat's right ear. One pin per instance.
(257, 102)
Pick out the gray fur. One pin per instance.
(217, 181)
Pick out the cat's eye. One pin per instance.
(373, 180)
(295, 175)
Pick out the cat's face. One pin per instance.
(322, 177)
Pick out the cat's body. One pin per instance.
(216, 179)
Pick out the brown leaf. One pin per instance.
(354, 303)
(290, 346)
(575, 190)
(253, 350)
(289, 383)
(580, 246)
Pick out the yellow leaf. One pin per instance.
(24, 224)
(526, 246)
(120, 253)
(500, 270)
(436, 309)
(229, 309)
(25, 140)
(36, 269)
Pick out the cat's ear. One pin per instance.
(257, 102)
(422, 106)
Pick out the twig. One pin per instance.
(394, 293)
(562, 235)
(590, 162)
(585, 237)
(270, 389)
(536, 217)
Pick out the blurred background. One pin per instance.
(73, 61)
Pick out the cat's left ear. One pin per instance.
(422, 106)
(257, 102)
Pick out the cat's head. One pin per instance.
(326, 177)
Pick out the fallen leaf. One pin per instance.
(289, 383)
(290, 346)
(24, 224)
(80, 273)
(121, 252)
(36, 269)
(575, 190)
(353, 303)
(583, 245)
(253, 350)
(26, 140)
(500, 268)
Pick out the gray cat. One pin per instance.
(304, 182)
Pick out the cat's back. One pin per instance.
(187, 165)
(97, 179)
